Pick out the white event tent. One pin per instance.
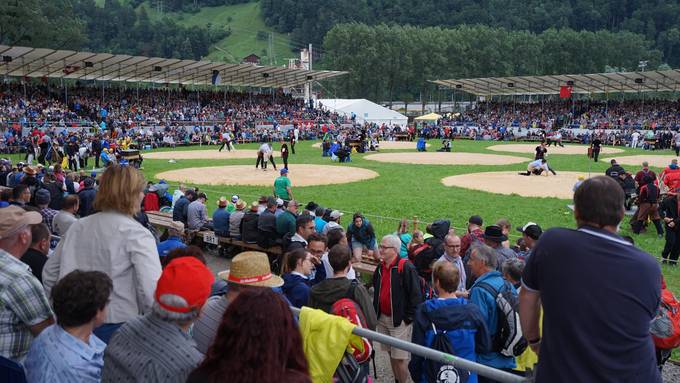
(364, 110)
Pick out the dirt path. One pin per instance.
(300, 175)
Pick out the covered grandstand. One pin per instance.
(49, 63)
(614, 82)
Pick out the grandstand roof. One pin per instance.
(41, 62)
(615, 82)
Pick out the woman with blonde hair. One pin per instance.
(112, 242)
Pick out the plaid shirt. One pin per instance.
(48, 216)
(23, 303)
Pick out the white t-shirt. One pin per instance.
(265, 149)
(351, 274)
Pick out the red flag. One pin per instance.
(565, 91)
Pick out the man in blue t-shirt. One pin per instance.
(174, 241)
(598, 292)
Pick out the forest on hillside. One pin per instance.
(657, 20)
(115, 27)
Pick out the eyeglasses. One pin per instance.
(381, 247)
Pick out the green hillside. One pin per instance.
(246, 24)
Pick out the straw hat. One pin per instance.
(251, 268)
(29, 171)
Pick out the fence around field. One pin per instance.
(441, 357)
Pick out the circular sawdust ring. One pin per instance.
(559, 186)
(657, 161)
(567, 149)
(211, 154)
(300, 175)
(389, 145)
(445, 158)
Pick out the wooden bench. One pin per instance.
(164, 221)
(367, 265)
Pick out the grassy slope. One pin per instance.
(246, 21)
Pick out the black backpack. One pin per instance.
(440, 372)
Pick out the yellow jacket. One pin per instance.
(325, 338)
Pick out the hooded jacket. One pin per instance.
(324, 294)
(296, 289)
(364, 234)
(465, 329)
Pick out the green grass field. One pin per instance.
(402, 191)
(245, 21)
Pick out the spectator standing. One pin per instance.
(483, 266)
(648, 207)
(276, 356)
(249, 270)
(25, 311)
(158, 347)
(338, 285)
(296, 280)
(591, 321)
(87, 198)
(66, 216)
(474, 234)
(21, 195)
(42, 201)
(494, 238)
(644, 172)
(36, 255)
(128, 254)
(452, 255)
(531, 232)
(395, 298)
(68, 351)
(461, 322)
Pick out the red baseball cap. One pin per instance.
(188, 278)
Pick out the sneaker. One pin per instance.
(660, 235)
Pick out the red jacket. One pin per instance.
(671, 178)
(151, 202)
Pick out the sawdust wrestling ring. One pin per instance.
(559, 186)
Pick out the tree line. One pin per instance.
(395, 62)
(656, 20)
(117, 27)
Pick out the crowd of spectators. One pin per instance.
(114, 300)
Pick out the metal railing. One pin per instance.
(438, 356)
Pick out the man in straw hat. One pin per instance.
(25, 311)
(157, 347)
(249, 269)
(220, 218)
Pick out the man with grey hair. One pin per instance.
(396, 296)
(158, 347)
(452, 255)
(488, 284)
(25, 311)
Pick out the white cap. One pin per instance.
(335, 214)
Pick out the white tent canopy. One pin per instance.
(364, 110)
